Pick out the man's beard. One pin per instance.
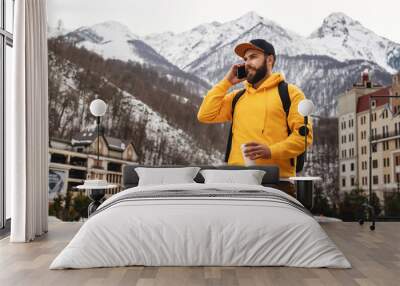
(259, 75)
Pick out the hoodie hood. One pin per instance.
(272, 81)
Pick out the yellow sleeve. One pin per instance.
(217, 104)
(293, 145)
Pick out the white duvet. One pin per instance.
(183, 231)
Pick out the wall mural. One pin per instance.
(154, 84)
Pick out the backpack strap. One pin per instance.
(285, 99)
(229, 144)
(283, 90)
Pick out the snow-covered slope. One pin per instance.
(201, 56)
(339, 37)
(157, 127)
(185, 49)
(113, 40)
(323, 65)
(345, 39)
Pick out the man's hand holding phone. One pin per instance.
(235, 71)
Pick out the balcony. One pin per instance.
(386, 136)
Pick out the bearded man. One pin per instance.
(270, 134)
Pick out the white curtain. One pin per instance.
(27, 123)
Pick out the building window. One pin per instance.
(344, 182)
(373, 117)
(385, 131)
(343, 168)
(374, 164)
(375, 180)
(352, 181)
(352, 167)
(385, 145)
(364, 150)
(397, 128)
(362, 134)
(386, 179)
(384, 114)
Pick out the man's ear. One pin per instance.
(271, 61)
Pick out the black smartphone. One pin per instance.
(241, 72)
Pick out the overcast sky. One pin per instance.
(155, 16)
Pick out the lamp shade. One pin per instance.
(306, 107)
(98, 107)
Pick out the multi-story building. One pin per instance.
(380, 152)
(348, 141)
(385, 136)
(71, 162)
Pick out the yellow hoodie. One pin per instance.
(259, 116)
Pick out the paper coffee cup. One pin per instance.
(247, 160)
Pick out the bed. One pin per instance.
(201, 224)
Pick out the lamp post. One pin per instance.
(98, 108)
(305, 108)
(96, 188)
(305, 185)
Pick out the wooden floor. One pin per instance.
(375, 257)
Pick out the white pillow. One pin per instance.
(249, 177)
(162, 176)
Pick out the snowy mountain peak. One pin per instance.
(339, 17)
(112, 30)
(252, 15)
(344, 38)
(336, 25)
(249, 19)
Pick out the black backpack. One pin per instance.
(285, 98)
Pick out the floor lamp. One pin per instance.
(305, 185)
(98, 108)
